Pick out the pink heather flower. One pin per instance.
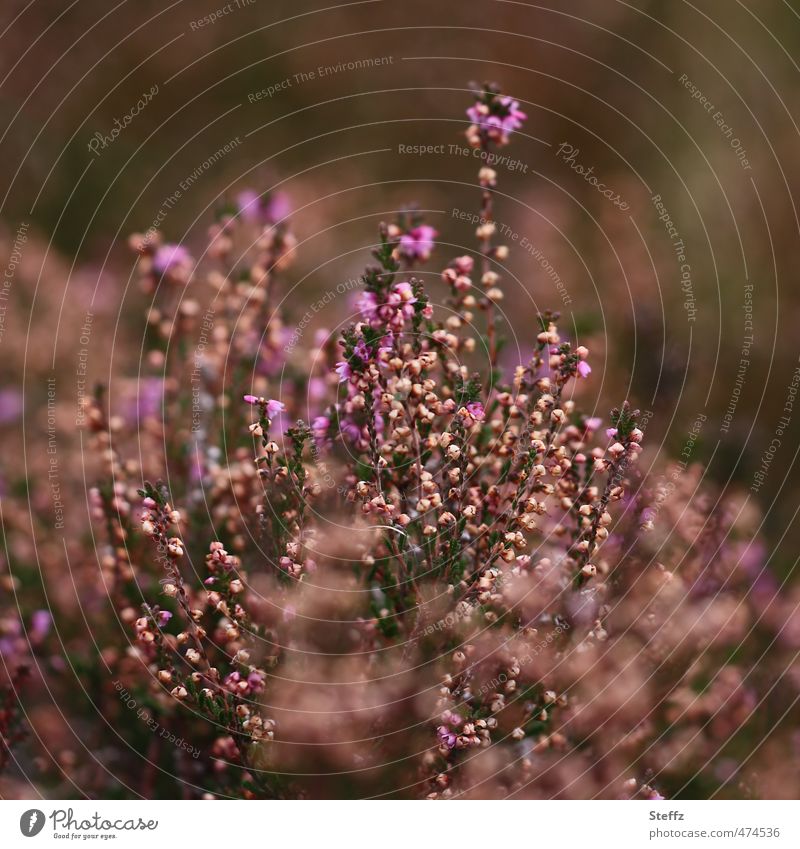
(319, 430)
(593, 423)
(232, 680)
(350, 431)
(387, 344)
(475, 409)
(41, 620)
(170, 257)
(464, 265)
(251, 399)
(362, 351)
(146, 399)
(277, 206)
(611, 432)
(418, 242)
(344, 371)
(248, 204)
(317, 389)
(478, 114)
(367, 305)
(584, 369)
(514, 117)
(163, 617)
(10, 405)
(320, 426)
(274, 408)
(446, 736)
(499, 119)
(649, 515)
(397, 309)
(270, 209)
(256, 681)
(405, 291)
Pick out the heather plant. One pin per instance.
(380, 564)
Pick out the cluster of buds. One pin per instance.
(471, 735)
(412, 240)
(494, 117)
(156, 519)
(218, 559)
(256, 726)
(247, 684)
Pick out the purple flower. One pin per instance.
(478, 113)
(277, 206)
(475, 409)
(593, 423)
(393, 312)
(10, 405)
(319, 427)
(163, 617)
(386, 344)
(171, 257)
(251, 399)
(256, 681)
(350, 431)
(344, 371)
(248, 202)
(274, 408)
(649, 515)
(144, 400)
(362, 351)
(514, 116)
(41, 620)
(498, 118)
(446, 736)
(367, 305)
(317, 389)
(611, 432)
(418, 242)
(584, 369)
(232, 680)
(319, 430)
(270, 209)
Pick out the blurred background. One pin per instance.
(676, 265)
